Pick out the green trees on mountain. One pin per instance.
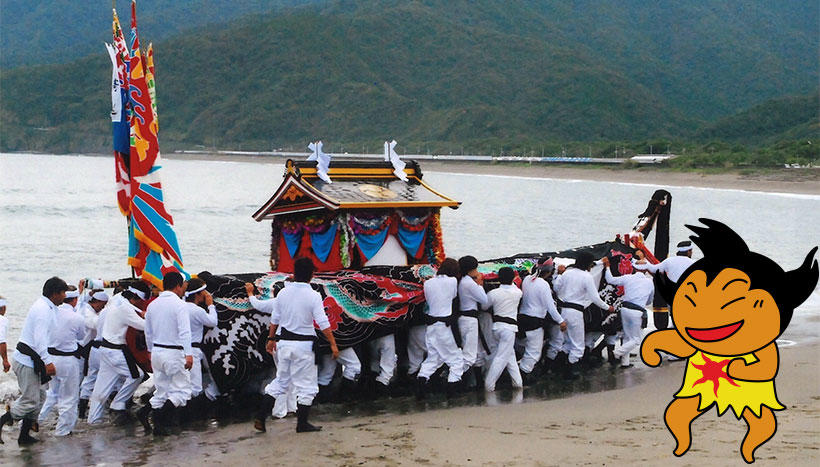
(521, 76)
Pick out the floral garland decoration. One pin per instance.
(413, 221)
(318, 223)
(434, 244)
(364, 223)
(275, 235)
(345, 240)
(291, 226)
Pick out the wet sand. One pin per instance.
(609, 417)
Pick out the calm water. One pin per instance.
(58, 216)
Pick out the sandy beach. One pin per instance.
(802, 181)
(590, 425)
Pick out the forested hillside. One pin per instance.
(434, 74)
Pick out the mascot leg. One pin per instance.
(761, 429)
(679, 416)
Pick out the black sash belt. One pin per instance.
(87, 354)
(172, 347)
(574, 306)
(77, 353)
(129, 357)
(529, 323)
(632, 306)
(196, 345)
(469, 313)
(447, 320)
(285, 335)
(644, 314)
(483, 340)
(504, 319)
(39, 366)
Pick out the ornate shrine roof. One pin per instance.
(355, 185)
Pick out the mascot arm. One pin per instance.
(667, 340)
(763, 369)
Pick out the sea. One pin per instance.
(58, 216)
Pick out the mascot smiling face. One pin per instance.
(725, 316)
(728, 309)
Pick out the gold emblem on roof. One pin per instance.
(292, 194)
(378, 192)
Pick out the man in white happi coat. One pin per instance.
(296, 308)
(639, 289)
(90, 312)
(117, 364)
(33, 365)
(66, 351)
(536, 303)
(168, 336)
(202, 314)
(576, 290)
(440, 291)
(471, 299)
(673, 267)
(504, 301)
(287, 404)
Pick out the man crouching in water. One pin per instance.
(296, 308)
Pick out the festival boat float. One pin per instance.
(374, 234)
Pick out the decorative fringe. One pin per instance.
(366, 223)
(345, 240)
(276, 229)
(434, 244)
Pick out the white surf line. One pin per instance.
(655, 185)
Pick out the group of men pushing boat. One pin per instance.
(74, 340)
(74, 344)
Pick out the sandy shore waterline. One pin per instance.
(797, 181)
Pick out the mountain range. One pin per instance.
(478, 73)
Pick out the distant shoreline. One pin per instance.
(804, 181)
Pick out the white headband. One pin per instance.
(72, 294)
(192, 292)
(684, 249)
(100, 296)
(2, 302)
(137, 292)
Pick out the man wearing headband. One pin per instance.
(168, 335)
(116, 360)
(639, 289)
(90, 311)
(673, 267)
(4, 327)
(536, 303)
(576, 291)
(297, 308)
(64, 347)
(197, 301)
(32, 364)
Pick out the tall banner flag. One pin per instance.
(120, 116)
(153, 249)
